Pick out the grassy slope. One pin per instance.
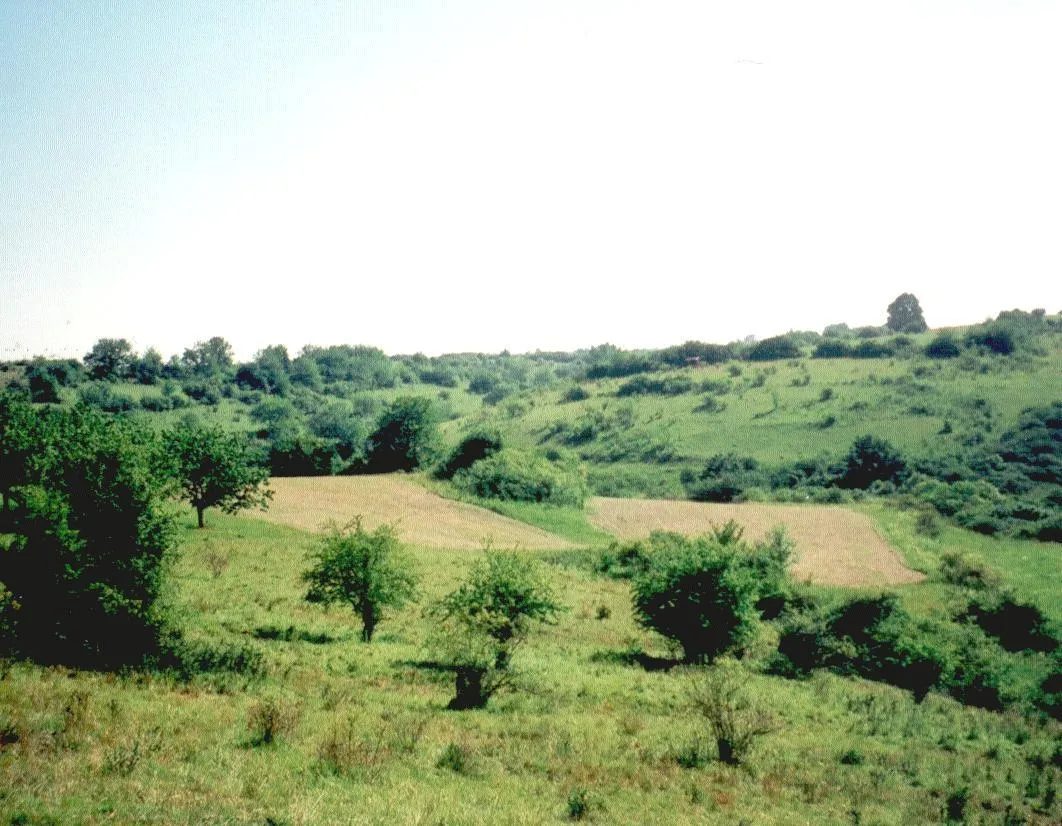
(906, 401)
(97, 749)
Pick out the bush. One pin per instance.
(485, 621)
(364, 569)
(719, 695)
(644, 386)
(103, 396)
(725, 477)
(1017, 625)
(833, 349)
(957, 568)
(513, 475)
(871, 460)
(406, 436)
(774, 349)
(473, 448)
(700, 593)
(943, 346)
(92, 543)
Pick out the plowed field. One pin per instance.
(423, 518)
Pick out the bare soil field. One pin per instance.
(423, 518)
(834, 546)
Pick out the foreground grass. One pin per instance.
(362, 736)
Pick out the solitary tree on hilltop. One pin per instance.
(905, 315)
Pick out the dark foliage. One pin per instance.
(774, 349)
(91, 543)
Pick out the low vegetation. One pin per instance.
(159, 667)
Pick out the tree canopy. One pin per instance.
(364, 569)
(905, 315)
(213, 468)
(89, 543)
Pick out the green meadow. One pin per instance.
(598, 726)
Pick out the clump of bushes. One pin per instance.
(473, 448)
(515, 475)
(645, 385)
(704, 594)
(875, 638)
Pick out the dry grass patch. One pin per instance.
(424, 519)
(835, 546)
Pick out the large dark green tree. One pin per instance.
(213, 468)
(905, 315)
(110, 358)
(406, 436)
(208, 358)
(89, 543)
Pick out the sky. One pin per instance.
(456, 176)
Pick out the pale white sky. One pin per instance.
(451, 176)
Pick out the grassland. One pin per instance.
(598, 728)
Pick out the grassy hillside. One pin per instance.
(596, 730)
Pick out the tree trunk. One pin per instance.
(199, 512)
(368, 624)
(726, 751)
(469, 689)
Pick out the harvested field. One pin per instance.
(835, 546)
(423, 518)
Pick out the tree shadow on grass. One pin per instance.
(635, 656)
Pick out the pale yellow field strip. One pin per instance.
(424, 518)
(835, 546)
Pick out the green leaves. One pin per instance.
(213, 468)
(365, 569)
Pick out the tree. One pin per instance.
(91, 545)
(110, 358)
(209, 358)
(700, 593)
(213, 468)
(362, 568)
(871, 460)
(149, 367)
(486, 620)
(406, 436)
(905, 315)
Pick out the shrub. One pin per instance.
(91, 542)
(943, 346)
(518, 476)
(720, 696)
(364, 569)
(724, 478)
(455, 758)
(1017, 625)
(957, 568)
(773, 349)
(833, 349)
(871, 460)
(644, 385)
(103, 396)
(406, 436)
(700, 593)
(486, 619)
(268, 720)
(473, 448)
